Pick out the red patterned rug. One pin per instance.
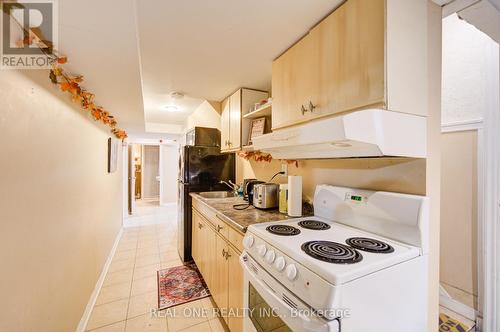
(180, 284)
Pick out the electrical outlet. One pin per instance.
(284, 169)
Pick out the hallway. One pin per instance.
(150, 212)
(129, 293)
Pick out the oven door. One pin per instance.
(271, 307)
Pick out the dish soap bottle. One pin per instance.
(283, 198)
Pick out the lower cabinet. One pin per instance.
(217, 258)
(235, 293)
(220, 289)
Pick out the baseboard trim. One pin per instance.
(458, 307)
(93, 297)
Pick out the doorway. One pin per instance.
(151, 184)
(470, 81)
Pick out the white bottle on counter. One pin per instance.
(295, 196)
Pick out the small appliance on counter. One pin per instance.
(244, 187)
(248, 189)
(265, 195)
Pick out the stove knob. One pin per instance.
(270, 256)
(291, 272)
(279, 264)
(248, 241)
(262, 250)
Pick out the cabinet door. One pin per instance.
(351, 57)
(235, 290)
(225, 125)
(235, 121)
(209, 252)
(196, 239)
(295, 80)
(220, 289)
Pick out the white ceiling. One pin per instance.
(135, 53)
(102, 46)
(207, 49)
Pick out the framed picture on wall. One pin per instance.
(257, 129)
(112, 155)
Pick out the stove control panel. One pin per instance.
(248, 241)
(262, 250)
(270, 256)
(279, 263)
(291, 272)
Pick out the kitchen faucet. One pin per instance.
(234, 187)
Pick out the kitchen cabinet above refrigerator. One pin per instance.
(235, 129)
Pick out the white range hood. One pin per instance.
(366, 133)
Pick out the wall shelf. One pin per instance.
(262, 111)
(247, 148)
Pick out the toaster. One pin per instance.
(265, 195)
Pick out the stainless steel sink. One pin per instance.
(217, 194)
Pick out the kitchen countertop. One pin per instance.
(240, 219)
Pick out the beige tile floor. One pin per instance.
(129, 292)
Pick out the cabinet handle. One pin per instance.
(219, 227)
(200, 226)
(227, 255)
(223, 253)
(303, 109)
(312, 107)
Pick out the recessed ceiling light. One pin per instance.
(171, 108)
(177, 95)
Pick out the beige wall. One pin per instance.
(60, 210)
(459, 216)
(206, 115)
(389, 174)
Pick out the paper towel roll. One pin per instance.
(294, 196)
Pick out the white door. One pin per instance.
(151, 171)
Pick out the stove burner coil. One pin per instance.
(369, 245)
(332, 252)
(284, 230)
(314, 224)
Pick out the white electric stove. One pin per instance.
(359, 264)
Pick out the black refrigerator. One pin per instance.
(201, 169)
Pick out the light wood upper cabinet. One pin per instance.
(234, 129)
(367, 53)
(235, 120)
(225, 124)
(295, 82)
(351, 57)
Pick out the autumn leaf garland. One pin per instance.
(71, 84)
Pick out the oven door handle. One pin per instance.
(308, 324)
